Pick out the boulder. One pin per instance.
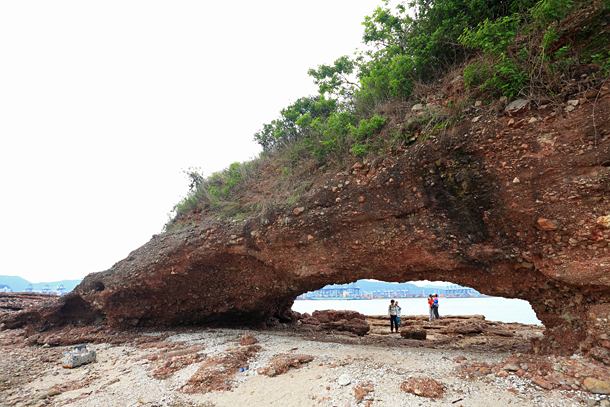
(332, 315)
(80, 355)
(349, 321)
(517, 107)
(247, 340)
(307, 319)
(413, 333)
(597, 386)
(423, 387)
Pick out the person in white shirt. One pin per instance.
(393, 313)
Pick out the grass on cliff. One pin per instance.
(548, 49)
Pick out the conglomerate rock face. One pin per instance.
(511, 212)
(14, 302)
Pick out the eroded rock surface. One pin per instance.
(14, 302)
(511, 212)
(331, 320)
(450, 326)
(283, 362)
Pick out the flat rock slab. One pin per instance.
(413, 333)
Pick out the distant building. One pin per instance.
(459, 291)
(335, 292)
(5, 288)
(391, 294)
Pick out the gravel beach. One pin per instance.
(229, 367)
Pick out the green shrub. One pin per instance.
(360, 150)
(522, 52)
(294, 124)
(367, 128)
(604, 62)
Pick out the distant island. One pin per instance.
(17, 284)
(367, 289)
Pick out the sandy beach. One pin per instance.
(207, 367)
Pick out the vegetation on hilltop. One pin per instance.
(522, 48)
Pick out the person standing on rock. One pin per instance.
(431, 307)
(398, 315)
(435, 307)
(393, 313)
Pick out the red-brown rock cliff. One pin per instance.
(513, 207)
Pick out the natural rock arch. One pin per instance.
(525, 223)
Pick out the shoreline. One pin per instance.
(495, 308)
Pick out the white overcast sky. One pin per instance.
(103, 104)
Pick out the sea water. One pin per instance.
(494, 308)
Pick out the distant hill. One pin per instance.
(16, 283)
(19, 284)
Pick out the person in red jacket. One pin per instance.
(435, 307)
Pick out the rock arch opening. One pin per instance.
(371, 297)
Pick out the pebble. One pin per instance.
(344, 380)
